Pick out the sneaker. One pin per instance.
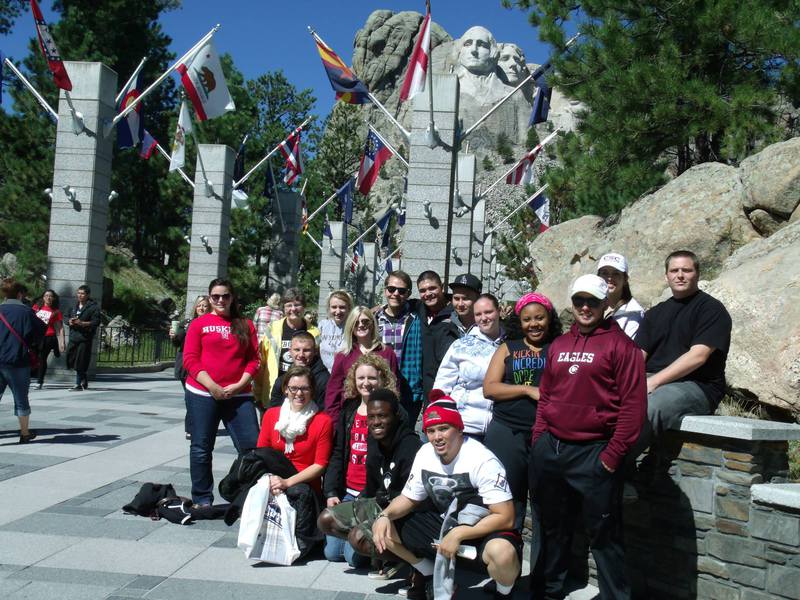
(77, 388)
(85, 385)
(39, 386)
(629, 494)
(388, 571)
(28, 437)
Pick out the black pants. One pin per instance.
(79, 354)
(512, 448)
(567, 477)
(49, 344)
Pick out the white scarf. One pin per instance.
(291, 424)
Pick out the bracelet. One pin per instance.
(382, 515)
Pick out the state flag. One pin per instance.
(383, 226)
(303, 215)
(414, 82)
(149, 144)
(375, 154)
(344, 82)
(541, 206)
(521, 174)
(326, 227)
(358, 253)
(130, 130)
(345, 194)
(49, 49)
(182, 129)
(205, 85)
(541, 103)
(290, 148)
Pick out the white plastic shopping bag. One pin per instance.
(266, 528)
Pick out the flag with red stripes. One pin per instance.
(541, 206)
(521, 174)
(290, 148)
(49, 49)
(414, 82)
(375, 154)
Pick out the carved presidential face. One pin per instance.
(478, 51)
(511, 63)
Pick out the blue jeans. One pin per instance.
(239, 417)
(337, 550)
(18, 379)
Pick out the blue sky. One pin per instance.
(270, 35)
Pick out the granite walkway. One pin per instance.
(62, 531)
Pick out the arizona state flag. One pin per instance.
(205, 85)
(347, 86)
(49, 49)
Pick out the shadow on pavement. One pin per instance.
(50, 435)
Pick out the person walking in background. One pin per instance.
(622, 306)
(20, 331)
(53, 340)
(267, 314)
(83, 321)
(178, 337)
(331, 330)
(221, 357)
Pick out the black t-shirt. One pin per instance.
(523, 366)
(670, 328)
(285, 359)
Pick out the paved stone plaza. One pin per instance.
(63, 534)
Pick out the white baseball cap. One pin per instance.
(590, 284)
(617, 261)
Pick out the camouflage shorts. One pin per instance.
(356, 514)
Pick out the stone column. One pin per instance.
(331, 266)
(211, 219)
(371, 267)
(284, 259)
(431, 176)
(476, 258)
(460, 245)
(79, 213)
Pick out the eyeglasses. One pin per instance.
(298, 390)
(396, 290)
(218, 297)
(580, 301)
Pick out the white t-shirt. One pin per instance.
(474, 471)
(629, 316)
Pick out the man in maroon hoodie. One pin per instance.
(593, 398)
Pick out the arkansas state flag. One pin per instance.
(290, 148)
(48, 46)
(414, 82)
(375, 154)
(541, 206)
(130, 130)
(205, 85)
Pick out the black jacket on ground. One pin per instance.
(387, 473)
(320, 375)
(334, 485)
(436, 339)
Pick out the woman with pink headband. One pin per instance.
(512, 382)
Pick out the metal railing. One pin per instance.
(129, 346)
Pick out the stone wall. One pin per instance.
(710, 521)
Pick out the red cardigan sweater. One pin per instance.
(334, 393)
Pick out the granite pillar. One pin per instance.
(331, 266)
(284, 261)
(460, 245)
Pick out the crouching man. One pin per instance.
(391, 447)
(456, 496)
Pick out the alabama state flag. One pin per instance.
(205, 85)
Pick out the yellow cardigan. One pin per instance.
(269, 349)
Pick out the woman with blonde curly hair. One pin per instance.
(361, 337)
(347, 470)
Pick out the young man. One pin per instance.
(685, 341)
(435, 313)
(399, 327)
(303, 350)
(83, 321)
(591, 406)
(462, 480)
(391, 447)
(466, 289)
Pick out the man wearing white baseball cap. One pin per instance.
(622, 306)
(592, 399)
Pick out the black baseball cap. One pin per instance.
(468, 281)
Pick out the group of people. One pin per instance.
(512, 407)
(29, 332)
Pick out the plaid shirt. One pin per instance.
(404, 335)
(263, 317)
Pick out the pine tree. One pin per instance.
(666, 85)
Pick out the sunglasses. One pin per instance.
(396, 290)
(218, 297)
(364, 321)
(580, 301)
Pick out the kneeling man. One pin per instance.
(457, 481)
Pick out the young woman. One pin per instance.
(178, 337)
(220, 355)
(347, 471)
(464, 366)
(512, 382)
(332, 329)
(622, 306)
(53, 340)
(360, 337)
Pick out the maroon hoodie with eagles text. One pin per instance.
(593, 388)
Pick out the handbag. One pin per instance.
(32, 356)
(266, 527)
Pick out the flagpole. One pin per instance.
(515, 211)
(132, 77)
(166, 155)
(386, 143)
(371, 227)
(165, 74)
(42, 102)
(327, 201)
(540, 145)
(315, 242)
(434, 137)
(535, 75)
(247, 175)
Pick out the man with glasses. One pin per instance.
(399, 328)
(592, 399)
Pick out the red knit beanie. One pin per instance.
(442, 410)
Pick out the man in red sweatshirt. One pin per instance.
(593, 398)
